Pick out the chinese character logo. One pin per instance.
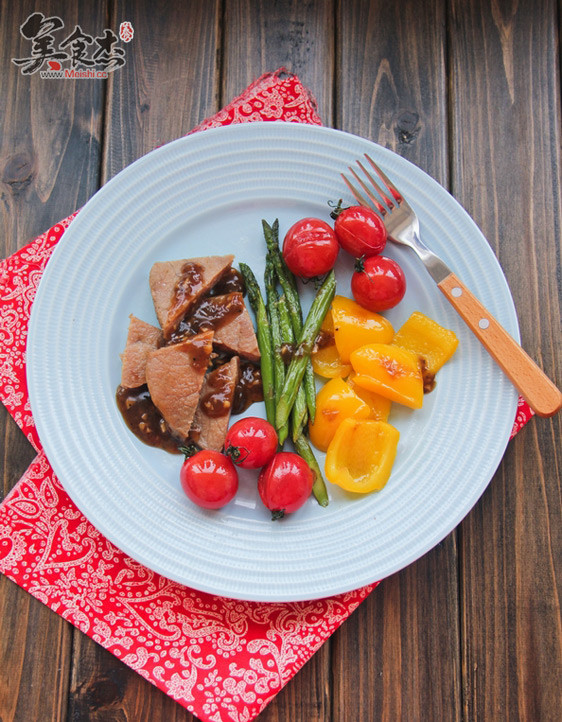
(78, 55)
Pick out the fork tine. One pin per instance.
(354, 192)
(374, 201)
(386, 180)
(389, 202)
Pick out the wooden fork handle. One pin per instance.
(531, 382)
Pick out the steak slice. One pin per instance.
(142, 338)
(237, 336)
(175, 375)
(210, 422)
(176, 285)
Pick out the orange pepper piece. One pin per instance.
(380, 406)
(326, 360)
(354, 326)
(335, 402)
(389, 371)
(426, 338)
(361, 455)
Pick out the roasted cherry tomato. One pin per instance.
(360, 231)
(285, 483)
(251, 442)
(378, 283)
(310, 248)
(209, 479)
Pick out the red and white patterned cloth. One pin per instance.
(222, 659)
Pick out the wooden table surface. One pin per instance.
(469, 91)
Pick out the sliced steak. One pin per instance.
(237, 336)
(210, 422)
(142, 338)
(228, 317)
(175, 375)
(176, 286)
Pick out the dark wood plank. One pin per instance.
(261, 36)
(506, 160)
(398, 656)
(168, 85)
(170, 82)
(50, 148)
(50, 160)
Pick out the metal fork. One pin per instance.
(403, 227)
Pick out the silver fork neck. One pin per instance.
(436, 268)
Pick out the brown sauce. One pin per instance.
(249, 387)
(287, 350)
(189, 283)
(143, 418)
(209, 314)
(230, 282)
(323, 340)
(198, 349)
(145, 421)
(217, 401)
(427, 377)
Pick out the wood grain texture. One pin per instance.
(50, 147)
(391, 78)
(506, 119)
(261, 36)
(49, 160)
(392, 88)
(170, 82)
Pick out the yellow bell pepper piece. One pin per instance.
(389, 371)
(361, 455)
(335, 402)
(426, 338)
(325, 357)
(354, 326)
(379, 405)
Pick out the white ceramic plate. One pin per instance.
(206, 194)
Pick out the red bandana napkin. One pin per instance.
(220, 658)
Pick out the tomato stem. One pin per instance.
(235, 453)
(189, 450)
(277, 514)
(337, 208)
(360, 264)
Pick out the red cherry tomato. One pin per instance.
(285, 483)
(360, 231)
(310, 248)
(378, 283)
(251, 442)
(209, 479)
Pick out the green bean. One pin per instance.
(263, 333)
(306, 340)
(302, 447)
(299, 414)
(276, 339)
(289, 286)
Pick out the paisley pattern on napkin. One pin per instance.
(222, 659)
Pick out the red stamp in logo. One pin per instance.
(126, 31)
